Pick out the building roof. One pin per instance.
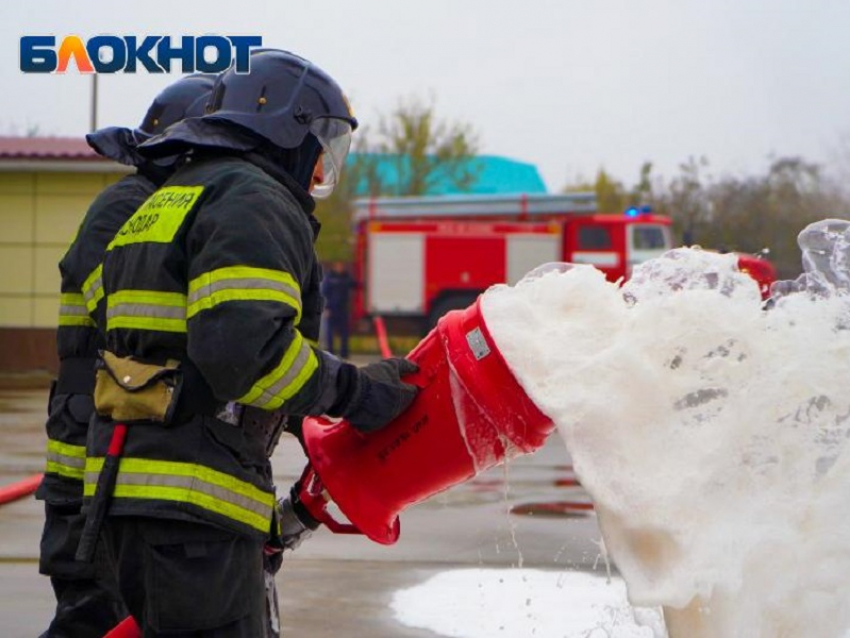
(46, 148)
(53, 154)
(493, 175)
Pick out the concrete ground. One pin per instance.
(334, 585)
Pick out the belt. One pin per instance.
(196, 398)
(265, 425)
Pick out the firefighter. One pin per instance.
(88, 603)
(336, 289)
(212, 291)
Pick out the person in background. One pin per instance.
(87, 599)
(337, 285)
(214, 309)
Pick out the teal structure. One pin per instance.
(494, 175)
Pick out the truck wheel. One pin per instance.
(457, 301)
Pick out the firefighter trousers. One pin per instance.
(87, 600)
(337, 327)
(182, 579)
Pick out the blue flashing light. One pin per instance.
(636, 211)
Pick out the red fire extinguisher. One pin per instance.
(471, 414)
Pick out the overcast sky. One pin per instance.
(568, 85)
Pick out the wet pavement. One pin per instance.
(337, 585)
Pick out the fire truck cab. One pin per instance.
(419, 257)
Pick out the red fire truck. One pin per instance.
(419, 257)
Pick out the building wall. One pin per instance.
(39, 216)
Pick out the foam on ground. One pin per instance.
(484, 603)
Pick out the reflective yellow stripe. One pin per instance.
(188, 495)
(72, 299)
(73, 310)
(66, 449)
(146, 310)
(298, 382)
(68, 471)
(142, 323)
(65, 459)
(159, 218)
(243, 283)
(93, 288)
(188, 483)
(84, 322)
(297, 365)
(153, 297)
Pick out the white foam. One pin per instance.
(483, 603)
(711, 434)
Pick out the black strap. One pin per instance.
(76, 376)
(103, 492)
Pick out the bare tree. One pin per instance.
(427, 150)
(686, 200)
(750, 213)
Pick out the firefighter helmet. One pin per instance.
(284, 99)
(286, 102)
(185, 98)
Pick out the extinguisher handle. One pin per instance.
(102, 496)
(313, 497)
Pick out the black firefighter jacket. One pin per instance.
(216, 270)
(78, 338)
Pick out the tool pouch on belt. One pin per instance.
(128, 390)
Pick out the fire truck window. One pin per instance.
(594, 238)
(648, 238)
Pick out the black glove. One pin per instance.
(372, 396)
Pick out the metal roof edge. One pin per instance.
(439, 205)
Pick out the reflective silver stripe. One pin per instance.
(90, 292)
(294, 370)
(155, 311)
(73, 311)
(68, 310)
(93, 288)
(64, 459)
(190, 483)
(244, 284)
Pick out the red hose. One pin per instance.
(381, 332)
(20, 489)
(127, 628)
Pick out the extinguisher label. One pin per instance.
(477, 344)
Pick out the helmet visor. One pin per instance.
(334, 135)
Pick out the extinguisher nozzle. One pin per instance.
(300, 509)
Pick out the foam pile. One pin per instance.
(712, 433)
